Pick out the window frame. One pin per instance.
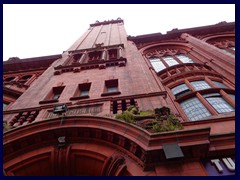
(58, 90)
(110, 84)
(82, 88)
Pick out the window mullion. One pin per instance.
(189, 85)
(178, 60)
(209, 81)
(206, 104)
(227, 98)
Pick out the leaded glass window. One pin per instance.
(157, 64)
(194, 109)
(219, 84)
(218, 103)
(184, 58)
(170, 60)
(180, 90)
(232, 96)
(199, 85)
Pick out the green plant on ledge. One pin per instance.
(165, 121)
(159, 120)
(168, 123)
(128, 115)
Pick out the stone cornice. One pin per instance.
(97, 23)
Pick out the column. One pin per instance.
(83, 57)
(104, 55)
(120, 52)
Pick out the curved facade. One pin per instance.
(117, 105)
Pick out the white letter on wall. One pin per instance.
(229, 163)
(217, 164)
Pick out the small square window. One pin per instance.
(111, 87)
(53, 95)
(94, 56)
(82, 91)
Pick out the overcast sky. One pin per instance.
(41, 30)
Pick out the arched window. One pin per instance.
(194, 109)
(9, 79)
(218, 103)
(24, 79)
(184, 58)
(157, 64)
(180, 90)
(205, 98)
(199, 85)
(225, 43)
(166, 58)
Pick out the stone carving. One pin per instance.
(92, 109)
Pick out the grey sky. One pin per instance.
(41, 30)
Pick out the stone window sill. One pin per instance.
(79, 97)
(110, 93)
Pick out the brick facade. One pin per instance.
(103, 74)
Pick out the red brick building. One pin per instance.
(113, 104)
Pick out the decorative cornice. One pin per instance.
(97, 23)
(95, 48)
(29, 63)
(176, 33)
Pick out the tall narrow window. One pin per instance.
(184, 58)
(112, 54)
(57, 91)
(76, 58)
(84, 89)
(124, 105)
(194, 109)
(170, 60)
(199, 85)
(157, 64)
(114, 107)
(218, 103)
